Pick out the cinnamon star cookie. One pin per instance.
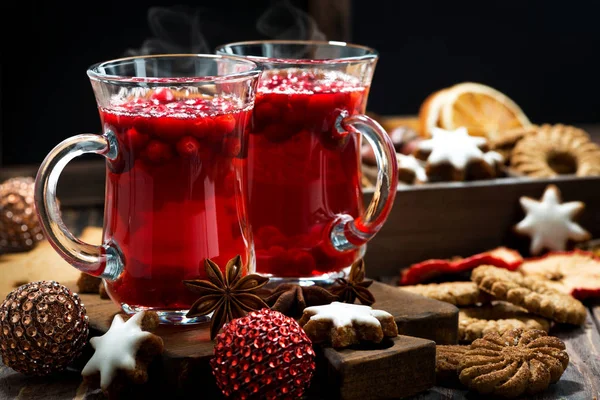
(342, 324)
(515, 363)
(531, 294)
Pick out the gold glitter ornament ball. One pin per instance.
(20, 229)
(44, 327)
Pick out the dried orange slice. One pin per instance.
(483, 110)
(429, 112)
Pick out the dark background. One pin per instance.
(541, 54)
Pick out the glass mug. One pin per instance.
(175, 142)
(305, 199)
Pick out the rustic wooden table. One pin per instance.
(581, 380)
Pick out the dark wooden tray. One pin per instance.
(442, 220)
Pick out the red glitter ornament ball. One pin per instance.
(264, 355)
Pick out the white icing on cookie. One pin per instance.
(493, 158)
(454, 147)
(413, 164)
(344, 314)
(116, 349)
(549, 223)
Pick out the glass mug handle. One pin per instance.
(347, 232)
(104, 261)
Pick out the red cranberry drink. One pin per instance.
(302, 172)
(304, 168)
(176, 146)
(172, 200)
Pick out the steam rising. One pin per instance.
(176, 30)
(284, 21)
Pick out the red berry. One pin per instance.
(171, 129)
(134, 139)
(232, 146)
(158, 152)
(188, 147)
(276, 133)
(224, 124)
(202, 128)
(163, 95)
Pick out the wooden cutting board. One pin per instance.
(188, 349)
(345, 374)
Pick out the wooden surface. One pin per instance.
(443, 220)
(405, 368)
(188, 349)
(580, 380)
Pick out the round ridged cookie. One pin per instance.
(531, 294)
(515, 363)
(447, 362)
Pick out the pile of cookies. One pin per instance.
(503, 326)
(510, 302)
(471, 131)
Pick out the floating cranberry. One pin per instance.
(266, 111)
(158, 152)
(275, 132)
(188, 147)
(163, 95)
(224, 124)
(232, 146)
(134, 139)
(202, 128)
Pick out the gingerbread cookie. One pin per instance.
(342, 324)
(410, 169)
(457, 293)
(122, 355)
(531, 294)
(499, 317)
(550, 222)
(454, 156)
(88, 283)
(496, 161)
(447, 363)
(515, 363)
(576, 272)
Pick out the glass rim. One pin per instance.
(370, 53)
(94, 73)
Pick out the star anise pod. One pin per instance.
(291, 299)
(231, 296)
(354, 287)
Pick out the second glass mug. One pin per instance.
(305, 199)
(174, 138)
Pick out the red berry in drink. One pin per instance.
(134, 139)
(232, 146)
(158, 152)
(188, 147)
(163, 95)
(275, 132)
(202, 128)
(224, 124)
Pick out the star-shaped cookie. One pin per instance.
(454, 147)
(342, 324)
(119, 351)
(550, 223)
